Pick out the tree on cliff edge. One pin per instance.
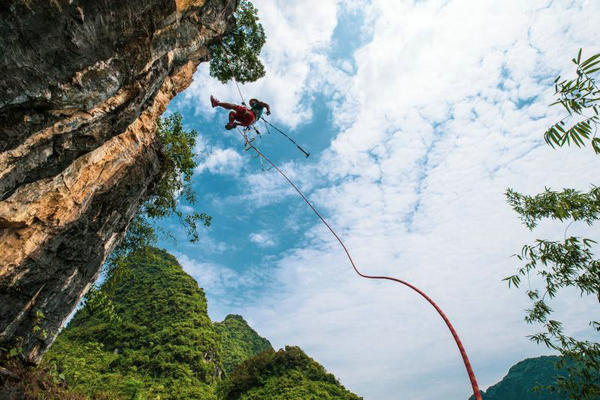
(177, 168)
(236, 55)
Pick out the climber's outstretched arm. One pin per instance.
(265, 105)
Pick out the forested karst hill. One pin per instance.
(522, 377)
(239, 341)
(288, 374)
(146, 334)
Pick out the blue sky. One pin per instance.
(418, 115)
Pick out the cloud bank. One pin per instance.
(435, 115)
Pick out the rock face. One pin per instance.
(83, 82)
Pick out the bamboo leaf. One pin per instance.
(596, 145)
(576, 139)
(587, 67)
(589, 60)
(592, 71)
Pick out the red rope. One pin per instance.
(461, 348)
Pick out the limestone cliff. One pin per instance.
(83, 82)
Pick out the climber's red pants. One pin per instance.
(241, 115)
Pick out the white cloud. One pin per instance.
(431, 137)
(261, 239)
(221, 161)
(217, 279)
(297, 36)
(187, 209)
(267, 187)
(438, 114)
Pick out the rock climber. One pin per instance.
(241, 115)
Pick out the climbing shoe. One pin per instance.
(214, 102)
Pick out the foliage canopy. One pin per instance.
(239, 341)
(288, 374)
(177, 168)
(570, 263)
(237, 54)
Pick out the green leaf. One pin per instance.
(596, 145)
(589, 60)
(587, 67)
(592, 71)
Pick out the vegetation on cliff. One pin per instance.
(239, 341)
(236, 55)
(287, 374)
(145, 335)
(177, 165)
(528, 380)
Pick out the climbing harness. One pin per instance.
(461, 349)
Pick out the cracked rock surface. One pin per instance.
(83, 82)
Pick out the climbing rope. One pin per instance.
(461, 348)
(238, 89)
(231, 70)
(267, 124)
(459, 344)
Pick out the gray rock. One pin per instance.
(83, 82)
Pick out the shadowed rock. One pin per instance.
(83, 84)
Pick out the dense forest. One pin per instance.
(527, 380)
(288, 374)
(238, 341)
(146, 334)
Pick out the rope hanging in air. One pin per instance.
(459, 344)
(461, 349)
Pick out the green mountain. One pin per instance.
(288, 374)
(522, 377)
(239, 341)
(147, 335)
